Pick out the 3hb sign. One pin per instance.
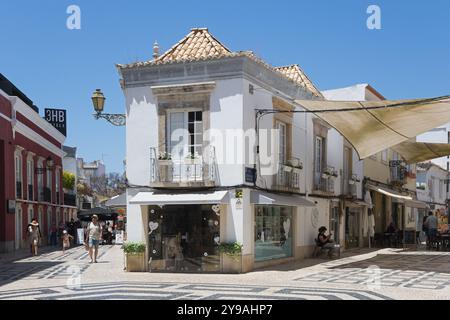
(57, 118)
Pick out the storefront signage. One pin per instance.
(250, 175)
(57, 118)
(119, 237)
(11, 206)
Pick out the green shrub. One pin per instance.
(233, 249)
(133, 247)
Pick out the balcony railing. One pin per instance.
(288, 176)
(398, 173)
(325, 181)
(70, 200)
(200, 171)
(349, 186)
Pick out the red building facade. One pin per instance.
(30, 170)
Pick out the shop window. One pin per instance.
(273, 233)
(184, 238)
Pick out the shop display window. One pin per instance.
(273, 232)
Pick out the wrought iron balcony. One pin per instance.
(198, 171)
(349, 186)
(324, 182)
(288, 176)
(398, 173)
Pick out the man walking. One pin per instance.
(431, 225)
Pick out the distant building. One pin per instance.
(85, 172)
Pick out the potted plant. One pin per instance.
(192, 158)
(135, 256)
(231, 254)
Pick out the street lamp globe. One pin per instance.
(98, 100)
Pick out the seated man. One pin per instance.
(325, 242)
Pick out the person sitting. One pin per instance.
(325, 242)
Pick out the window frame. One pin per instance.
(18, 173)
(187, 146)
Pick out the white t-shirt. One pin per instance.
(94, 231)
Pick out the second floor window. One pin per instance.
(282, 147)
(18, 167)
(185, 134)
(57, 186)
(49, 185)
(40, 182)
(319, 152)
(30, 179)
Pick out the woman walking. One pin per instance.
(94, 235)
(34, 234)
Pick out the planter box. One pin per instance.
(231, 264)
(297, 170)
(193, 161)
(135, 262)
(165, 170)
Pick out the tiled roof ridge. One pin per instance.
(221, 51)
(303, 77)
(218, 46)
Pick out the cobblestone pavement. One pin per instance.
(384, 274)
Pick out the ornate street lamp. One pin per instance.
(98, 101)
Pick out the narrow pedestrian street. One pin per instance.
(401, 275)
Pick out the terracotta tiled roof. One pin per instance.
(296, 74)
(198, 44)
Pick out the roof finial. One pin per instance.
(155, 50)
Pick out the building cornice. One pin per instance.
(213, 70)
(32, 135)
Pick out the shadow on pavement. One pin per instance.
(15, 271)
(310, 262)
(439, 263)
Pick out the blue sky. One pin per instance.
(56, 67)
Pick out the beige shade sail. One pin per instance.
(415, 152)
(373, 126)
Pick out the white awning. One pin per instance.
(266, 198)
(390, 193)
(154, 198)
(373, 126)
(415, 152)
(415, 204)
(117, 201)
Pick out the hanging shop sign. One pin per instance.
(57, 118)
